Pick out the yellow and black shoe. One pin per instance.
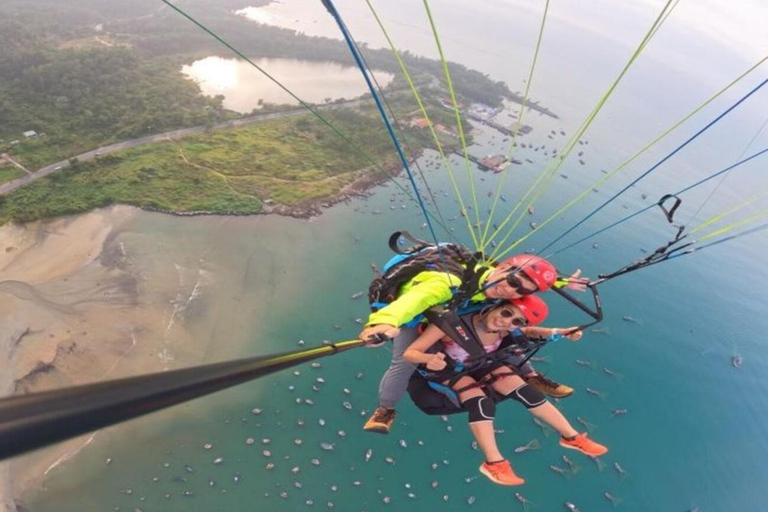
(381, 420)
(548, 386)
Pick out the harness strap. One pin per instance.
(470, 282)
(660, 254)
(669, 213)
(515, 341)
(455, 328)
(485, 383)
(416, 243)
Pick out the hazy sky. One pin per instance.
(703, 44)
(738, 25)
(719, 29)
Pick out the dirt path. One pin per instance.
(7, 158)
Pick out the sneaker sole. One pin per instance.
(582, 451)
(376, 429)
(497, 482)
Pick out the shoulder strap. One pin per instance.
(453, 326)
(420, 256)
(470, 281)
(416, 243)
(515, 339)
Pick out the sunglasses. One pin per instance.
(517, 321)
(514, 282)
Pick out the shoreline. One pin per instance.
(76, 312)
(96, 295)
(36, 265)
(34, 279)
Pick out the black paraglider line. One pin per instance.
(35, 420)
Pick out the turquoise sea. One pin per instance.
(693, 435)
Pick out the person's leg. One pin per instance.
(534, 400)
(481, 415)
(514, 387)
(482, 412)
(514, 361)
(536, 379)
(554, 418)
(394, 383)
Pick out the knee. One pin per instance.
(529, 396)
(480, 408)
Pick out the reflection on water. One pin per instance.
(245, 88)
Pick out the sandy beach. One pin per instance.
(74, 309)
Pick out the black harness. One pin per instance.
(420, 256)
(427, 388)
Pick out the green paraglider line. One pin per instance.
(649, 171)
(630, 216)
(304, 104)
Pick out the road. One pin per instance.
(10, 186)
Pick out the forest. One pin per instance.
(84, 88)
(90, 73)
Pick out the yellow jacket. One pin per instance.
(427, 289)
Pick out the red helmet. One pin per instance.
(533, 307)
(538, 270)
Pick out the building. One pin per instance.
(418, 122)
(525, 129)
(445, 131)
(495, 163)
(29, 134)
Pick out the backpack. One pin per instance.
(421, 256)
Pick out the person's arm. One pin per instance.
(430, 289)
(574, 282)
(546, 332)
(416, 353)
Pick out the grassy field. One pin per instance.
(153, 177)
(41, 151)
(9, 173)
(288, 161)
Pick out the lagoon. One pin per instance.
(245, 88)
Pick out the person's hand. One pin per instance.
(576, 283)
(376, 334)
(437, 362)
(573, 335)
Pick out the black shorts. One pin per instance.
(433, 403)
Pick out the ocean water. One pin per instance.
(692, 436)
